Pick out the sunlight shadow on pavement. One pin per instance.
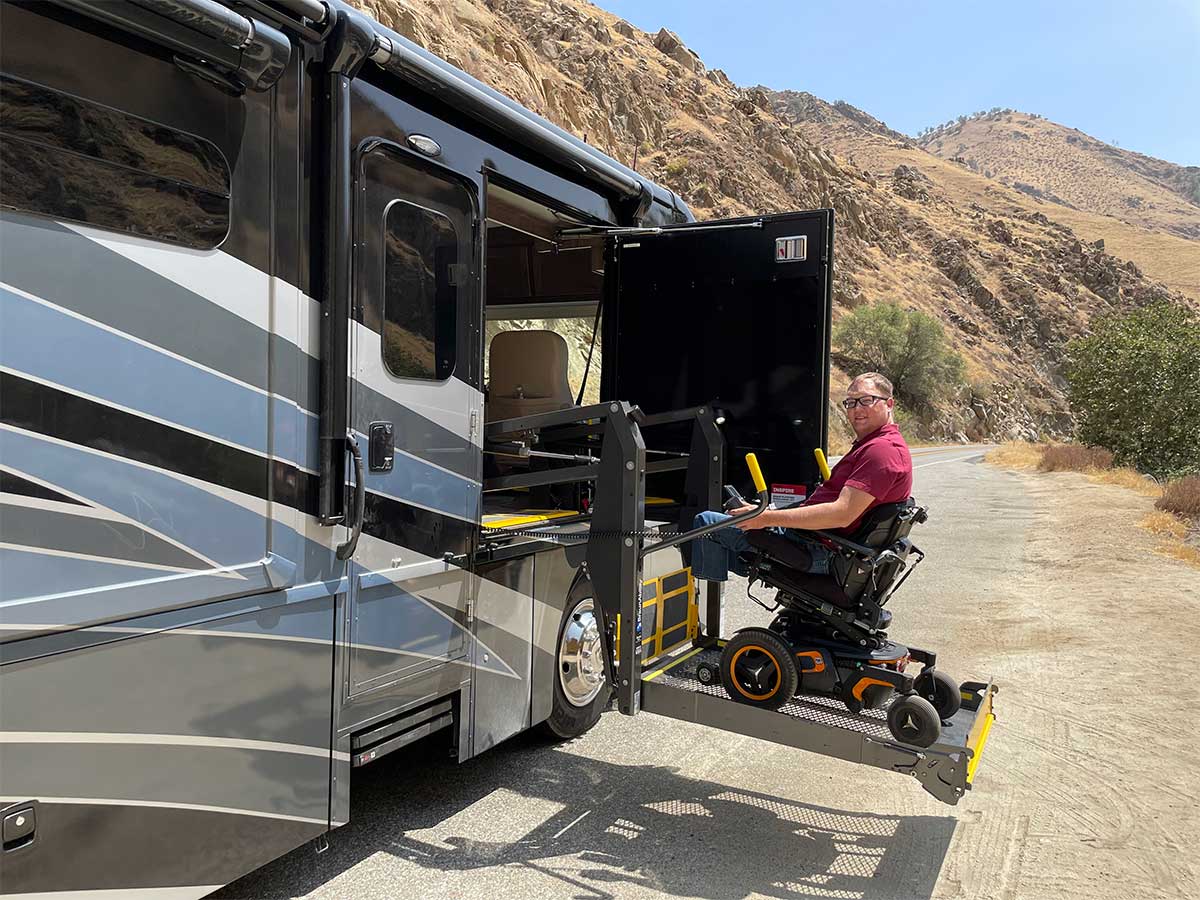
(589, 829)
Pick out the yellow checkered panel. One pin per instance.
(670, 613)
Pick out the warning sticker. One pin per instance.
(784, 495)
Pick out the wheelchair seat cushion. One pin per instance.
(788, 561)
(782, 549)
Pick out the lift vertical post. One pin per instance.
(614, 552)
(702, 491)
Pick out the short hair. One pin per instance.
(881, 382)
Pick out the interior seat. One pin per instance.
(528, 375)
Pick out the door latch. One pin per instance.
(382, 453)
(17, 824)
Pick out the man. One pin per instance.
(877, 470)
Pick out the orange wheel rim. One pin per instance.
(737, 684)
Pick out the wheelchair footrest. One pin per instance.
(824, 725)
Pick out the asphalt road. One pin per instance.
(656, 808)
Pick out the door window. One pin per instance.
(420, 294)
(418, 251)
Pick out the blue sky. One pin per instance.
(1124, 72)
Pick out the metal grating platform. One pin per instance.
(681, 674)
(825, 726)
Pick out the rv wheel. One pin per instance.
(581, 690)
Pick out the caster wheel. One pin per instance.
(913, 720)
(939, 689)
(707, 674)
(758, 668)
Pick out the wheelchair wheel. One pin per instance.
(913, 720)
(941, 690)
(758, 668)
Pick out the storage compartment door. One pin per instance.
(734, 313)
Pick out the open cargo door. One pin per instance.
(736, 314)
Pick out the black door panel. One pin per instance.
(699, 315)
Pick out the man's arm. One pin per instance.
(849, 505)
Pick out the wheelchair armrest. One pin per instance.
(855, 548)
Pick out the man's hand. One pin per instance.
(750, 524)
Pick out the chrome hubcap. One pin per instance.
(581, 655)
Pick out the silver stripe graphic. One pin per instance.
(235, 286)
(108, 560)
(163, 804)
(162, 740)
(32, 525)
(184, 892)
(64, 265)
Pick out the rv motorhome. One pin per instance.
(270, 505)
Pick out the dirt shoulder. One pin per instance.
(1093, 642)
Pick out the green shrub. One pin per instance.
(907, 346)
(677, 166)
(1134, 388)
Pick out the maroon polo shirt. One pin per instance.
(878, 464)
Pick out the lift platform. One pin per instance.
(651, 609)
(672, 688)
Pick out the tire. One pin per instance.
(913, 720)
(939, 689)
(757, 668)
(578, 702)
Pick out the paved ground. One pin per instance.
(1088, 788)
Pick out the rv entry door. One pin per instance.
(733, 313)
(416, 420)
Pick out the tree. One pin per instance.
(907, 346)
(1134, 388)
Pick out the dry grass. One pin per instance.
(1181, 551)
(1074, 458)
(1181, 496)
(1016, 455)
(1175, 528)
(1165, 525)
(839, 444)
(1128, 478)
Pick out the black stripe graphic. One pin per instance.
(129, 847)
(55, 413)
(15, 484)
(428, 533)
(58, 414)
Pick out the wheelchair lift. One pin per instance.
(822, 725)
(603, 444)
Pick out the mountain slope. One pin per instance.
(1066, 166)
(1011, 284)
(1166, 257)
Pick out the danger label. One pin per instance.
(784, 495)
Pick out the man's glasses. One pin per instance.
(869, 400)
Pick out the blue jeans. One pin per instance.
(715, 555)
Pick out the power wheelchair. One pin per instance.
(829, 635)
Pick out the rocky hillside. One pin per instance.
(1066, 166)
(1010, 280)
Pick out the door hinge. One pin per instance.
(474, 426)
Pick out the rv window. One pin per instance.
(74, 160)
(421, 279)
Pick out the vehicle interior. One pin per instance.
(542, 296)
